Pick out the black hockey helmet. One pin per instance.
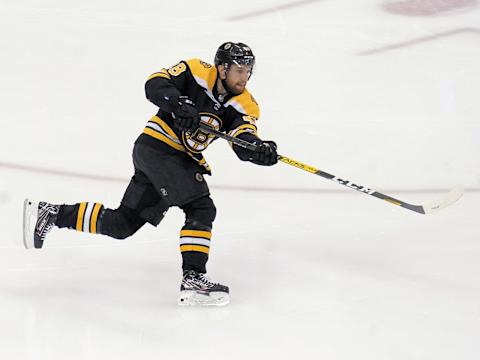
(234, 53)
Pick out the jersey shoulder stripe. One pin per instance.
(204, 74)
(162, 73)
(246, 104)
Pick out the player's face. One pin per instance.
(237, 77)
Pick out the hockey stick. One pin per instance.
(448, 199)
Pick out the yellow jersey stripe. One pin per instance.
(161, 137)
(93, 219)
(196, 233)
(204, 74)
(252, 129)
(198, 248)
(164, 126)
(248, 126)
(245, 104)
(156, 127)
(80, 215)
(162, 74)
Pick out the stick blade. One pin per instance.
(451, 197)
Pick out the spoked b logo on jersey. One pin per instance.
(200, 139)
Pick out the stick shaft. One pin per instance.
(451, 197)
(351, 185)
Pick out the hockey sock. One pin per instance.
(195, 246)
(81, 217)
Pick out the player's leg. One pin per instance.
(195, 237)
(94, 218)
(196, 233)
(180, 182)
(140, 204)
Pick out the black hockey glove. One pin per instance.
(185, 114)
(265, 154)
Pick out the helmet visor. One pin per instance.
(248, 60)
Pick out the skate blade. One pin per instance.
(193, 298)
(30, 214)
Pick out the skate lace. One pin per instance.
(198, 281)
(206, 280)
(48, 213)
(45, 231)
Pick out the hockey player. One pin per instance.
(169, 165)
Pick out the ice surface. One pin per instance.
(387, 99)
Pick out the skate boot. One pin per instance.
(197, 289)
(38, 220)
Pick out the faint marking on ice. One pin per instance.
(427, 7)
(74, 174)
(256, 13)
(419, 40)
(78, 175)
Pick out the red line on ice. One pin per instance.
(419, 41)
(36, 169)
(270, 10)
(428, 7)
(78, 175)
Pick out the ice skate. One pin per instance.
(198, 290)
(38, 220)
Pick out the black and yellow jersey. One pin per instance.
(236, 115)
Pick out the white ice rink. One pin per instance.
(382, 92)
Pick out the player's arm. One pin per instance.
(266, 151)
(165, 89)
